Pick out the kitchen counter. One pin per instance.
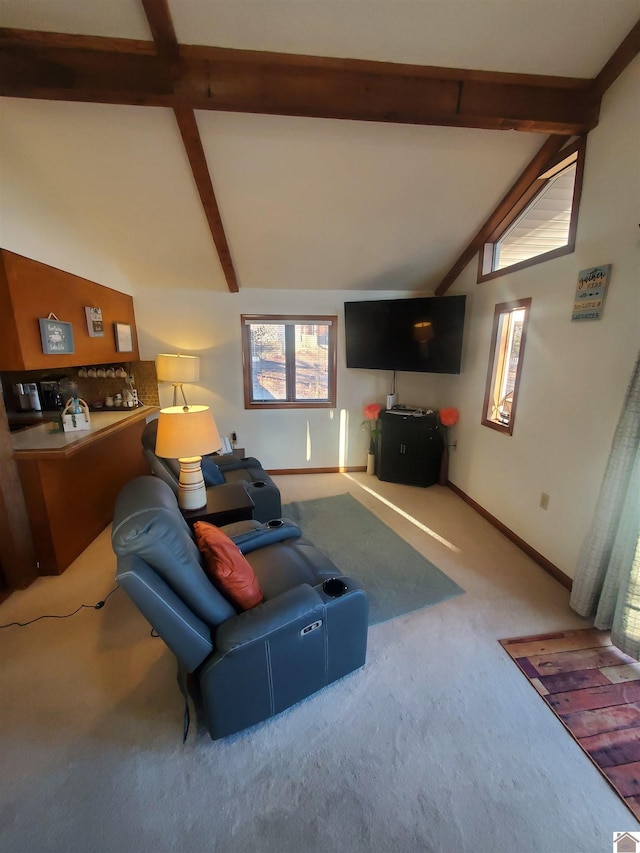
(45, 440)
(71, 480)
(25, 420)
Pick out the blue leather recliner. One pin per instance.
(248, 471)
(310, 629)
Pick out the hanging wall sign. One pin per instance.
(56, 335)
(591, 293)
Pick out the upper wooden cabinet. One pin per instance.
(30, 290)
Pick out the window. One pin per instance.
(505, 364)
(289, 361)
(542, 225)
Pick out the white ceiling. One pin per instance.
(306, 203)
(566, 37)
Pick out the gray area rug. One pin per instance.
(396, 577)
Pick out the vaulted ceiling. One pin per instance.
(287, 144)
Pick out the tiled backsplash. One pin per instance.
(95, 390)
(146, 382)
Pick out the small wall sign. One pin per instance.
(95, 326)
(591, 293)
(124, 337)
(56, 335)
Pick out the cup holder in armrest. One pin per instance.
(259, 484)
(275, 522)
(334, 587)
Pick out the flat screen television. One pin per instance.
(422, 334)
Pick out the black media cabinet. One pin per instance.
(410, 447)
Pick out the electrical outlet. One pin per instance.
(544, 500)
(234, 436)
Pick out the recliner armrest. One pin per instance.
(251, 540)
(232, 463)
(268, 617)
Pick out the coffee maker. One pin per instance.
(28, 397)
(51, 395)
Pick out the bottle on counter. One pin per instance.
(134, 392)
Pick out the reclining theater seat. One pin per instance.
(259, 485)
(307, 632)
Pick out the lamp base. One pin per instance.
(192, 492)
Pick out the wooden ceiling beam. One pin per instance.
(613, 68)
(195, 152)
(164, 36)
(162, 30)
(77, 68)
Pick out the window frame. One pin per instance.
(331, 320)
(500, 311)
(486, 254)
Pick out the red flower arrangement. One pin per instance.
(449, 417)
(371, 412)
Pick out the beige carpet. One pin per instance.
(437, 744)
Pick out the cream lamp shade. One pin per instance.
(187, 433)
(177, 369)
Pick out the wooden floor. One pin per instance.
(594, 689)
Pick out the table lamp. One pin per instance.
(187, 433)
(177, 369)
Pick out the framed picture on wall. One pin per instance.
(56, 336)
(124, 337)
(95, 326)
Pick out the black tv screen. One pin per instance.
(422, 334)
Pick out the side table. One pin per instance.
(225, 504)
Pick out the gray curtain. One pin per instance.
(607, 582)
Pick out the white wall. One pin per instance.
(575, 374)
(105, 192)
(208, 324)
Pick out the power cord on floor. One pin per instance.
(97, 606)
